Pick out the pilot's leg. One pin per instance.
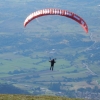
(50, 68)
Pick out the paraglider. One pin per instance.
(53, 11)
(52, 64)
(60, 12)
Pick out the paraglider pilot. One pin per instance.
(52, 64)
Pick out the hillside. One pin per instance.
(26, 97)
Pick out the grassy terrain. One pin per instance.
(26, 97)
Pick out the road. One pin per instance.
(87, 67)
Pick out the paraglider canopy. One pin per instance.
(53, 11)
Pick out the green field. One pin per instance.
(16, 67)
